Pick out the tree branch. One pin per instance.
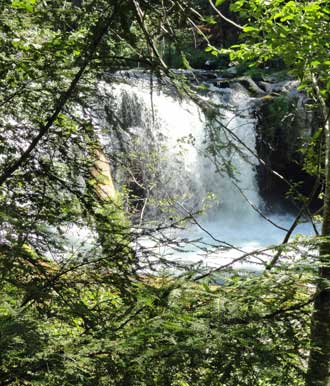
(100, 30)
(224, 17)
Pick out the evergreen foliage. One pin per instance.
(75, 310)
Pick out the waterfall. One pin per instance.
(166, 135)
(176, 130)
(171, 146)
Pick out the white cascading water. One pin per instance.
(176, 130)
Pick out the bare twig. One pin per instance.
(255, 208)
(231, 246)
(224, 17)
(294, 225)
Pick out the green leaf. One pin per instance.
(24, 4)
(249, 28)
(209, 20)
(315, 63)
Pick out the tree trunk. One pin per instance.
(101, 174)
(318, 373)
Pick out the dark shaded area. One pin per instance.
(282, 131)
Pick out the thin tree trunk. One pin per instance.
(318, 373)
(101, 174)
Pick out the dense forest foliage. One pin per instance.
(76, 308)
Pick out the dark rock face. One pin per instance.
(284, 126)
